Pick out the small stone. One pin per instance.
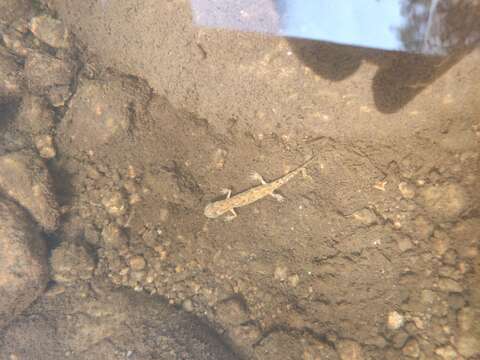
(428, 297)
(232, 312)
(404, 244)
(137, 263)
(280, 273)
(245, 335)
(114, 237)
(219, 158)
(293, 280)
(349, 350)
(440, 243)
(187, 305)
(446, 353)
(411, 349)
(399, 339)
(44, 145)
(115, 204)
(395, 320)
(318, 350)
(444, 202)
(51, 31)
(58, 95)
(407, 190)
(365, 216)
(449, 285)
(450, 257)
(466, 318)
(468, 345)
(70, 263)
(423, 229)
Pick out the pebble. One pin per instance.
(365, 216)
(113, 236)
(447, 353)
(428, 297)
(245, 335)
(450, 257)
(318, 350)
(71, 262)
(411, 349)
(395, 320)
(187, 305)
(115, 204)
(407, 190)
(444, 202)
(449, 285)
(440, 243)
(450, 272)
(219, 159)
(404, 244)
(293, 280)
(399, 339)
(44, 145)
(23, 261)
(232, 312)
(468, 344)
(137, 263)
(58, 95)
(280, 273)
(423, 229)
(466, 318)
(26, 179)
(349, 350)
(51, 31)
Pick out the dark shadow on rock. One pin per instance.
(331, 61)
(400, 76)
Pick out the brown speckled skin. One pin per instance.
(218, 208)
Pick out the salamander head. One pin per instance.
(214, 210)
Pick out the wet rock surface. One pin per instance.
(25, 179)
(106, 324)
(49, 30)
(100, 112)
(23, 263)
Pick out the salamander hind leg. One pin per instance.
(278, 197)
(231, 217)
(257, 177)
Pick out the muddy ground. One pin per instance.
(142, 119)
